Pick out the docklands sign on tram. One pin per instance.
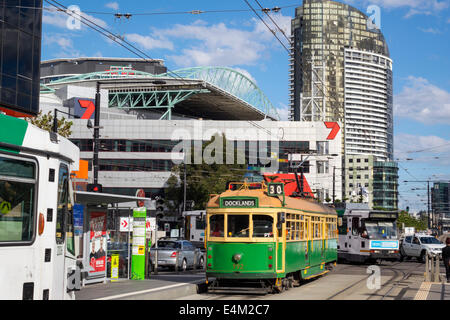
(238, 202)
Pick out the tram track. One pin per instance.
(398, 273)
(405, 275)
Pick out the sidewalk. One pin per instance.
(161, 287)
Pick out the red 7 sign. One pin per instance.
(89, 106)
(334, 126)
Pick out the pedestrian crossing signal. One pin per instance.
(95, 187)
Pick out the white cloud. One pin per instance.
(61, 44)
(112, 5)
(416, 7)
(423, 102)
(430, 30)
(148, 42)
(423, 149)
(283, 112)
(217, 44)
(247, 74)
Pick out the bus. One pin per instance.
(195, 227)
(37, 247)
(367, 235)
(260, 239)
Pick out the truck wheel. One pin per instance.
(422, 256)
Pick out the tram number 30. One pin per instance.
(275, 189)
(237, 266)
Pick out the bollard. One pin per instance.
(195, 260)
(156, 262)
(437, 270)
(427, 271)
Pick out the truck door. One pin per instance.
(415, 247)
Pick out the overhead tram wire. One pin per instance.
(111, 35)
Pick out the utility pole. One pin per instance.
(96, 133)
(428, 201)
(334, 184)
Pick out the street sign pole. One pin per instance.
(139, 239)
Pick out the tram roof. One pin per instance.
(274, 202)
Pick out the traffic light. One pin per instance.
(92, 187)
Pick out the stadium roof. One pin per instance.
(216, 93)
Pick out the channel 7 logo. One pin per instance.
(84, 108)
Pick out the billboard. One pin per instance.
(97, 243)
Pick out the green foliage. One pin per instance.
(409, 221)
(203, 179)
(45, 122)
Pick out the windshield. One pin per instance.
(429, 240)
(381, 230)
(168, 245)
(216, 228)
(238, 226)
(262, 226)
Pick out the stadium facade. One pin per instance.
(145, 116)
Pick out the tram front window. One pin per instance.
(17, 189)
(381, 229)
(216, 223)
(262, 226)
(238, 226)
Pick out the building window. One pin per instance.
(322, 167)
(322, 147)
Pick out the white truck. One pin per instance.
(418, 245)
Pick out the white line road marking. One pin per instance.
(147, 291)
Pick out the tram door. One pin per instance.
(65, 246)
(308, 237)
(281, 242)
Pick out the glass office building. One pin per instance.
(321, 30)
(20, 55)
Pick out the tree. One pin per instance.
(203, 179)
(409, 221)
(45, 122)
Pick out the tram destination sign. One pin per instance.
(383, 215)
(238, 202)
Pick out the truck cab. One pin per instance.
(418, 245)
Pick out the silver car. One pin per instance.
(171, 250)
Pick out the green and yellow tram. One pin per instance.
(255, 235)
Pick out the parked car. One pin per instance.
(419, 245)
(171, 248)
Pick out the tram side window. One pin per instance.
(262, 226)
(238, 226)
(355, 226)
(17, 199)
(216, 225)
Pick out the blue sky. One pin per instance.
(417, 32)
